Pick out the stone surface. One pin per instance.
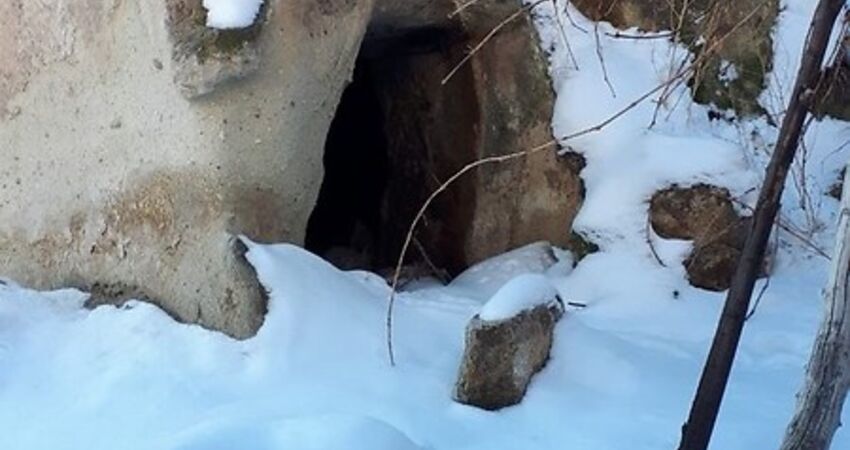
(711, 266)
(704, 214)
(691, 212)
(501, 357)
(149, 208)
(205, 58)
(499, 102)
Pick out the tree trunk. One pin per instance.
(696, 432)
(820, 401)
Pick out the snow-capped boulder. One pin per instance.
(508, 342)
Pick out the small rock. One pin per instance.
(115, 124)
(157, 64)
(691, 212)
(712, 266)
(502, 354)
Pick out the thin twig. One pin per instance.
(572, 21)
(621, 35)
(794, 233)
(421, 213)
(489, 36)
(602, 60)
(440, 274)
(462, 8)
(767, 281)
(648, 235)
(563, 34)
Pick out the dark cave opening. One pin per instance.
(345, 224)
(395, 134)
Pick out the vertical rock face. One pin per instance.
(507, 343)
(111, 179)
(499, 102)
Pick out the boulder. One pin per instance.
(137, 143)
(704, 214)
(508, 342)
(691, 213)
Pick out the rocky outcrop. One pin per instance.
(497, 103)
(508, 342)
(137, 143)
(704, 214)
(112, 180)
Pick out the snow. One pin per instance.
(224, 14)
(316, 376)
(521, 293)
(329, 432)
(484, 279)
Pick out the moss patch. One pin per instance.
(731, 79)
(187, 21)
(581, 246)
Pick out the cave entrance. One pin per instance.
(401, 131)
(387, 149)
(345, 225)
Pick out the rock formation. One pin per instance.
(508, 342)
(137, 143)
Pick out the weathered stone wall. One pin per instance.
(112, 180)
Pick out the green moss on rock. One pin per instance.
(188, 19)
(733, 77)
(581, 246)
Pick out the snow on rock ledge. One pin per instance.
(485, 278)
(508, 342)
(226, 14)
(522, 293)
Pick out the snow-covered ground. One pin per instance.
(623, 369)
